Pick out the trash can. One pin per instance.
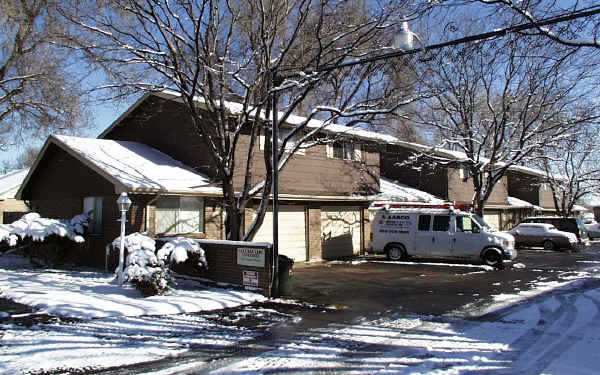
(285, 275)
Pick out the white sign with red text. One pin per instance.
(247, 256)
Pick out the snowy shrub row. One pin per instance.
(38, 228)
(148, 269)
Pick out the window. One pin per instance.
(424, 222)
(283, 133)
(441, 223)
(464, 224)
(179, 214)
(344, 151)
(93, 207)
(464, 173)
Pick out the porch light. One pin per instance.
(124, 203)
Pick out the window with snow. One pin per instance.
(179, 214)
(344, 151)
(93, 207)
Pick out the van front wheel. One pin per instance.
(493, 257)
(396, 252)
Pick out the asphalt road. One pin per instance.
(375, 286)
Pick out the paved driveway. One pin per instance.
(373, 285)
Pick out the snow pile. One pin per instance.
(176, 250)
(39, 228)
(147, 269)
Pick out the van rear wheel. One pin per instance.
(396, 252)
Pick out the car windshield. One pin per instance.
(479, 220)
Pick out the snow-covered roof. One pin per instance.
(519, 203)
(132, 166)
(237, 108)
(12, 180)
(400, 192)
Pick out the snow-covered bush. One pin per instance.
(147, 269)
(46, 241)
(177, 250)
(38, 228)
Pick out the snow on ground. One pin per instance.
(555, 333)
(131, 329)
(558, 334)
(86, 295)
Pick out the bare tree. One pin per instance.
(572, 168)
(500, 101)
(39, 91)
(584, 32)
(212, 51)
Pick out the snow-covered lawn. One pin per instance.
(87, 295)
(119, 326)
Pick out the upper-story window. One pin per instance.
(344, 150)
(464, 173)
(291, 143)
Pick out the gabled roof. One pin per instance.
(12, 180)
(294, 120)
(130, 166)
(396, 191)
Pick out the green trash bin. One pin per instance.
(285, 275)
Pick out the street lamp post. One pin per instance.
(123, 202)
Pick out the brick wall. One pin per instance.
(223, 267)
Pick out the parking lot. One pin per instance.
(373, 285)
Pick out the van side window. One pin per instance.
(441, 223)
(464, 224)
(424, 221)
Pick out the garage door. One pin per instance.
(340, 231)
(292, 231)
(492, 219)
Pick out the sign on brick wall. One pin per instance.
(251, 257)
(250, 278)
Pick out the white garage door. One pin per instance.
(492, 219)
(340, 231)
(292, 231)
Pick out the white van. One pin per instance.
(437, 231)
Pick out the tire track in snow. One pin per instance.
(569, 338)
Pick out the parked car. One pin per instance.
(593, 230)
(438, 231)
(546, 235)
(565, 224)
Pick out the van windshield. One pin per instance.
(479, 220)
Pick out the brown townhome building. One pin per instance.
(152, 153)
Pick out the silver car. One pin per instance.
(546, 235)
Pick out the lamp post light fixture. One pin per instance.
(404, 38)
(124, 203)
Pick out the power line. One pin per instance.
(471, 38)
